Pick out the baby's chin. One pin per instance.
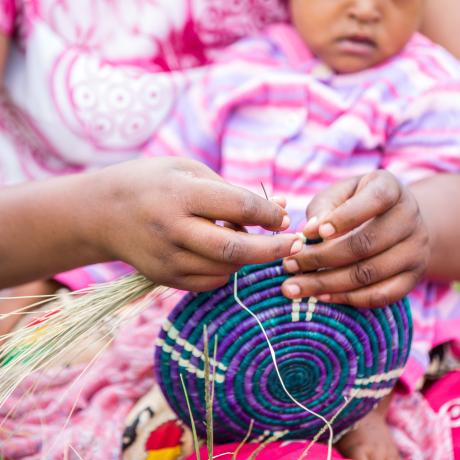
(348, 62)
(352, 64)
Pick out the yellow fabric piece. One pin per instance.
(169, 453)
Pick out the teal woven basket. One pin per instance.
(326, 354)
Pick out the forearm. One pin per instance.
(439, 202)
(155, 214)
(46, 228)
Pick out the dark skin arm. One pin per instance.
(438, 199)
(156, 214)
(439, 202)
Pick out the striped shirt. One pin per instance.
(269, 111)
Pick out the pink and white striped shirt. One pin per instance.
(268, 111)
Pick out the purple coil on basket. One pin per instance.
(333, 359)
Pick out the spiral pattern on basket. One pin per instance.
(325, 353)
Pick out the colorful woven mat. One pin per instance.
(327, 355)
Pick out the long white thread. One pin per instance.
(275, 363)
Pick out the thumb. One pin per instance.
(326, 201)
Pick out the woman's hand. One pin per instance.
(376, 246)
(156, 214)
(159, 215)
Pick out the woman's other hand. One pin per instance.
(375, 247)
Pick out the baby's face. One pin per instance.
(353, 35)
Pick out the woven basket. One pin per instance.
(326, 354)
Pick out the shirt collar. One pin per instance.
(296, 52)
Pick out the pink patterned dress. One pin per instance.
(93, 76)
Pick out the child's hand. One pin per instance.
(159, 215)
(376, 246)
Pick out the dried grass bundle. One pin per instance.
(67, 324)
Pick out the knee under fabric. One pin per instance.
(332, 358)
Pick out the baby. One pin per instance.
(317, 111)
(351, 36)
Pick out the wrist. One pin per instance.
(89, 219)
(48, 228)
(430, 225)
(108, 198)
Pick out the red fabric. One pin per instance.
(167, 435)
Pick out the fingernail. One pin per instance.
(326, 230)
(324, 297)
(301, 237)
(291, 266)
(293, 290)
(296, 247)
(280, 201)
(311, 224)
(286, 222)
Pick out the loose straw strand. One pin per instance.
(275, 363)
